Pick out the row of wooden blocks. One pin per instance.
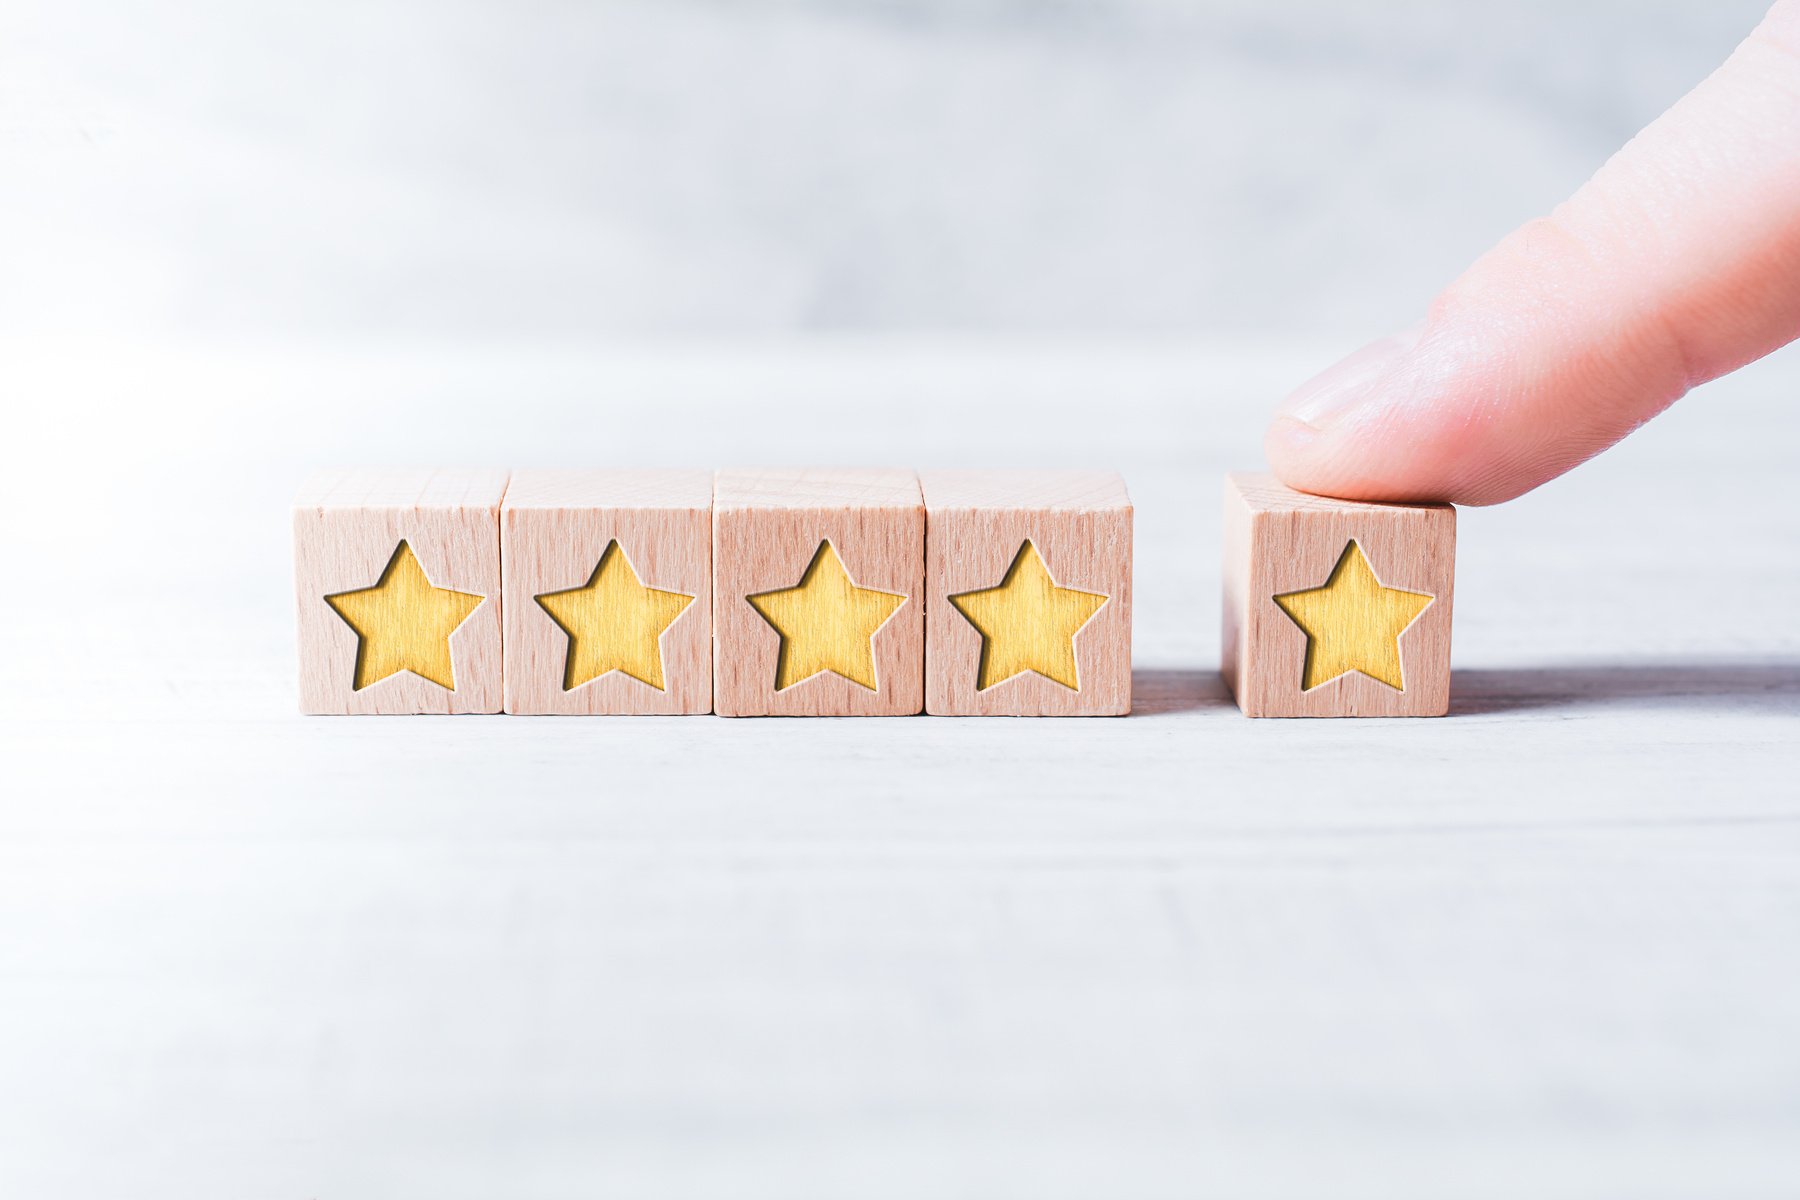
(839, 593)
(862, 592)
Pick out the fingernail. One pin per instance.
(1327, 396)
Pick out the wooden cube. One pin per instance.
(1335, 608)
(608, 589)
(397, 576)
(818, 578)
(1027, 593)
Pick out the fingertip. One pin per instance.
(1291, 447)
(1436, 421)
(1367, 456)
(1309, 459)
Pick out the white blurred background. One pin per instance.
(1543, 948)
(478, 170)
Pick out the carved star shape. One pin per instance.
(826, 623)
(614, 622)
(403, 623)
(1353, 623)
(1028, 623)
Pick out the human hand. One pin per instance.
(1677, 263)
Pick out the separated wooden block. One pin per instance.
(397, 576)
(818, 578)
(608, 591)
(1028, 593)
(1335, 608)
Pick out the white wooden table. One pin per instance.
(1547, 947)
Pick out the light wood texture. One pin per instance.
(1339, 595)
(979, 576)
(348, 527)
(555, 527)
(768, 528)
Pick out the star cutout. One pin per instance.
(826, 623)
(1353, 623)
(403, 623)
(1028, 623)
(614, 622)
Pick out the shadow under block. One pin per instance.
(1027, 593)
(1335, 608)
(818, 579)
(397, 578)
(608, 591)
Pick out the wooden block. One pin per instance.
(397, 575)
(608, 589)
(1335, 608)
(818, 578)
(1027, 593)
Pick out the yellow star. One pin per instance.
(614, 622)
(1353, 623)
(1028, 623)
(826, 623)
(403, 623)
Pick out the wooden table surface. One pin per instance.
(1548, 946)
